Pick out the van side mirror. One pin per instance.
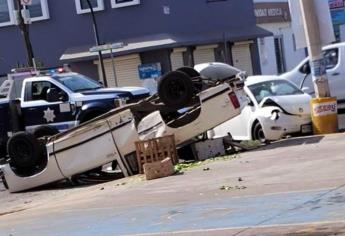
(305, 69)
(53, 95)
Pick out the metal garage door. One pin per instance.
(204, 54)
(126, 68)
(241, 56)
(176, 58)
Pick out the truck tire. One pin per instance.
(24, 150)
(194, 75)
(45, 131)
(3, 152)
(189, 71)
(176, 89)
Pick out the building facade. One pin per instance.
(278, 53)
(159, 34)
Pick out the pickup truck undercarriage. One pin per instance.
(186, 105)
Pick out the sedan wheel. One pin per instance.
(258, 133)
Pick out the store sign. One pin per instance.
(324, 109)
(150, 71)
(335, 4)
(271, 12)
(26, 2)
(338, 16)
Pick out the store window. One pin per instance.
(279, 51)
(6, 9)
(38, 10)
(124, 3)
(83, 7)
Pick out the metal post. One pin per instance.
(226, 49)
(95, 29)
(113, 63)
(25, 32)
(323, 108)
(317, 62)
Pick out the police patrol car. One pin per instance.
(47, 102)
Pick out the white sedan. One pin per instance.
(271, 109)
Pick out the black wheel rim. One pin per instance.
(259, 134)
(175, 90)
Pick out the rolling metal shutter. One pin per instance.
(241, 56)
(126, 68)
(176, 58)
(204, 54)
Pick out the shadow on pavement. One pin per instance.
(79, 181)
(292, 142)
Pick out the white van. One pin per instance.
(333, 54)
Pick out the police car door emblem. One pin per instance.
(49, 115)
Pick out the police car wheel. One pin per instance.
(45, 131)
(24, 150)
(176, 89)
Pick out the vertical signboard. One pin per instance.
(337, 9)
(149, 73)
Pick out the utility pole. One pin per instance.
(324, 113)
(95, 30)
(24, 28)
(317, 62)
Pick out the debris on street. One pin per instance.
(187, 165)
(227, 188)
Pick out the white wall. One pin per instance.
(267, 53)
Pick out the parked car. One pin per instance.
(112, 136)
(46, 102)
(335, 57)
(271, 109)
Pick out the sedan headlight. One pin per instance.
(275, 114)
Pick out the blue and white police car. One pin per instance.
(45, 104)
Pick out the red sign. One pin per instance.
(26, 2)
(336, 4)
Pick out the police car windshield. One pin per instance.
(77, 82)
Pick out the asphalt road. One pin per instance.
(292, 187)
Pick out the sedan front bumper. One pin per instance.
(285, 125)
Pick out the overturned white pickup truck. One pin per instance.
(206, 102)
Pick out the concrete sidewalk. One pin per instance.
(292, 186)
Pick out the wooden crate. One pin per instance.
(159, 169)
(157, 149)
